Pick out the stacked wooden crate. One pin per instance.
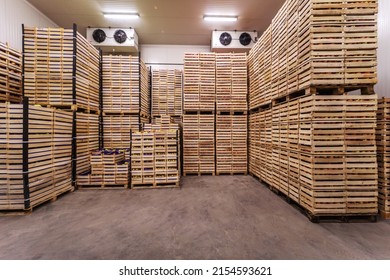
(164, 122)
(87, 139)
(231, 114)
(199, 144)
(36, 155)
(199, 82)
(55, 61)
(314, 43)
(383, 156)
(155, 159)
(320, 152)
(199, 114)
(316, 147)
(10, 74)
(125, 98)
(62, 70)
(109, 169)
(166, 92)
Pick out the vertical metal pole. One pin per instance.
(74, 150)
(26, 183)
(101, 128)
(74, 63)
(23, 59)
(150, 84)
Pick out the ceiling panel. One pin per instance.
(163, 21)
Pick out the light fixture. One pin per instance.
(219, 18)
(121, 15)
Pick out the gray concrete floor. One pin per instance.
(208, 218)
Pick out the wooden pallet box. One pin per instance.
(10, 74)
(167, 92)
(49, 57)
(48, 164)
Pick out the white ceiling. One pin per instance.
(177, 22)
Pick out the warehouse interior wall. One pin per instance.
(13, 13)
(383, 85)
(168, 56)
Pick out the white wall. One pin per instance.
(383, 87)
(168, 56)
(13, 13)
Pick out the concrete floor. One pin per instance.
(209, 218)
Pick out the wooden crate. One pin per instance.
(198, 144)
(231, 82)
(259, 71)
(87, 139)
(49, 156)
(231, 144)
(155, 159)
(314, 43)
(117, 130)
(10, 74)
(125, 85)
(167, 92)
(199, 82)
(48, 68)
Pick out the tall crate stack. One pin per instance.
(61, 70)
(309, 138)
(125, 98)
(199, 114)
(36, 155)
(383, 156)
(231, 114)
(10, 74)
(167, 93)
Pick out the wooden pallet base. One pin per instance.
(384, 215)
(323, 218)
(315, 90)
(198, 174)
(342, 218)
(155, 186)
(29, 211)
(232, 173)
(103, 187)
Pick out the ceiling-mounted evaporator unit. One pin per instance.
(233, 41)
(113, 39)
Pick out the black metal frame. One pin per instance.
(26, 183)
(23, 58)
(101, 128)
